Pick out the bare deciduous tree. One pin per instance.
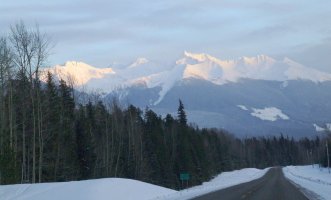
(5, 88)
(30, 51)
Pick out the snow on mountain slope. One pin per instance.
(326, 127)
(266, 114)
(101, 189)
(298, 71)
(206, 67)
(139, 61)
(260, 67)
(142, 67)
(104, 79)
(242, 107)
(269, 114)
(196, 66)
(81, 73)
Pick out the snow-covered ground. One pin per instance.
(99, 189)
(312, 179)
(124, 189)
(224, 180)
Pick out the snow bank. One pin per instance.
(100, 189)
(312, 179)
(224, 180)
(122, 189)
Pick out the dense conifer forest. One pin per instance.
(47, 136)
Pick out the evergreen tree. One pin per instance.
(84, 143)
(181, 114)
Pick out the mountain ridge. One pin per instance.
(247, 96)
(200, 66)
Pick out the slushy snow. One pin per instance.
(315, 181)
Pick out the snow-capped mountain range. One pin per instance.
(198, 66)
(260, 87)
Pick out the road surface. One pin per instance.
(272, 186)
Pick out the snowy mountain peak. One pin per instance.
(257, 60)
(198, 57)
(202, 57)
(290, 61)
(139, 61)
(76, 64)
(298, 71)
(79, 72)
(191, 66)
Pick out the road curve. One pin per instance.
(272, 186)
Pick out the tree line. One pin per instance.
(47, 136)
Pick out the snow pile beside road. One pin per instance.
(224, 180)
(124, 189)
(313, 179)
(100, 189)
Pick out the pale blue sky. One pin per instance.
(100, 32)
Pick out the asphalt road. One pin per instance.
(272, 186)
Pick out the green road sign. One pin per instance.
(184, 176)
